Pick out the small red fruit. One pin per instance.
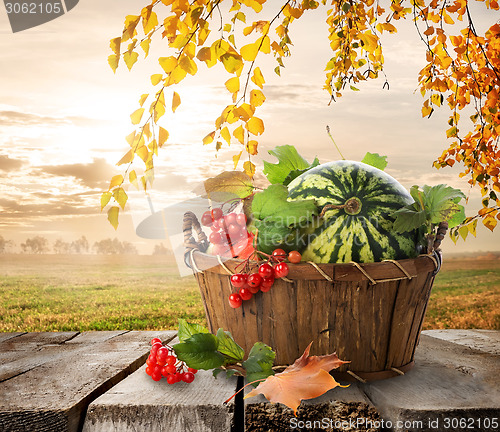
(245, 294)
(215, 238)
(238, 280)
(230, 219)
(279, 255)
(192, 370)
(235, 300)
(265, 270)
(267, 283)
(156, 346)
(294, 257)
(154, 340)
(217, 213)
(206, 219)
(241, 219)
(170, 360)
(156, 376)
(188, 377)
(254, 280)
(171, 379)
(281, 270)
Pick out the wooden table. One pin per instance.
(95, 382)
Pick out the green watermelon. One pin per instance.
(362, 230)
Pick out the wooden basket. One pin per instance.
(370, 314)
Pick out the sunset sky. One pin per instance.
(64, 116)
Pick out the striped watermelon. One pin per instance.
(362, 231)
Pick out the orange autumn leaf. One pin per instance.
(307, 378)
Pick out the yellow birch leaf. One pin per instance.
(132, 178)
(176, 101)
(143, 153)
(130, 138)
(145, 46)
(236, 159)
(156, 78)
(249, 52)
(233, 84)
(239, 134)
(177, 75)
(472, 227)
(105, 197)
(209, 138)
(255, 126)
(149, 20)
(146, 131)
(204, 54)
(257, 98)
(463, 231)
(224, 133)
(158, 111)
(490, 222)
(136, 116)
(153, 146)
(114, 44)
(249, 168)
(436, 99)
(265, 44)
(188, 65)
(120, 197)
(251, 147)
(162, 136)
(168, 63)
(232, 62)
(113, 61)
(143, 99)
(131, 22)
(244, 111)
(127, 158)
(130, 57)
(258, 78)
(113, 216)
(115, 181)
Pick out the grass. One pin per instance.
(89, 292)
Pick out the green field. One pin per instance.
(93, 292)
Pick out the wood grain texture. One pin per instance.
(374, 326)
(48, 379)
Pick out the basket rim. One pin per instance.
(375, 272)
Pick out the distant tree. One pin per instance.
(160, 249)
(5, 244)
(114, 246)
(61, 247)
(37, 244)
(80, 246)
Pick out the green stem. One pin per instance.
(334, 143)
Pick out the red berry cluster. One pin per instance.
(262, 280)
(227, 231)
(162, 363)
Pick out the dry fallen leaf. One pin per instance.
(306, 378)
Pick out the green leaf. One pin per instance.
(259, 364)
(408, 218)
(186, 330)
(200, 351)
(272, 205)
(274, 235)
(290, 165)
(229, 348)
(375, 160)
(228, 185)
(229, 372)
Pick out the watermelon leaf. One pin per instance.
(433, 204)
(290, 165)
(375, 160)
(272, 205)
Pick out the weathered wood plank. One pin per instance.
(140, 404)
(54, 384)
(481, 340)
(449, 381)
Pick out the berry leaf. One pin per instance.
(307, 378)
(200, 351)
(290, 165)
(186, 330)
(259, 364)
(229, 348)
(375, 160)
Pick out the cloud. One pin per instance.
(7, 164)
(60, 205)
(10, 118)
(95, 174)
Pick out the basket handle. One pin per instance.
(190, 223)
(435, 240)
